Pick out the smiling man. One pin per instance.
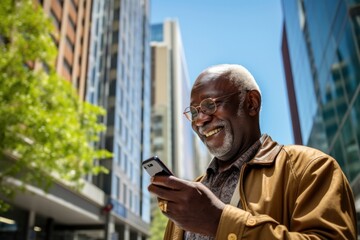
(254, 188)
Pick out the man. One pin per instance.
(254, 188)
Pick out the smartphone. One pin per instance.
(154, 166)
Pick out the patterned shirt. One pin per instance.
(223, 184)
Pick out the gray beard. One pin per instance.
(226, 146)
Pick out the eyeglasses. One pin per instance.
(207, 106)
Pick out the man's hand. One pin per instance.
(190, 205)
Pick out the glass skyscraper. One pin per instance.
(322, 67)
(119, 81)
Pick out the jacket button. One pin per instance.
(232, 236)
(251, 222)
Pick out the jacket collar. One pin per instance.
(267, 152)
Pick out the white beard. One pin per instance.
(225, 147)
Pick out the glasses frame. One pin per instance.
(198, 108)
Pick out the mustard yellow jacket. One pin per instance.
(287, 192)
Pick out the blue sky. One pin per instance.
(246, 32)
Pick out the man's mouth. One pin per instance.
(213, 132)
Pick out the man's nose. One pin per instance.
(201, 119)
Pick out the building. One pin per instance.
(71, 19)
(63, 212)
(119, 81)
(103, 49)
(172, 137)
(322, 67)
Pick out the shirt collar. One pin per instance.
(245, 157)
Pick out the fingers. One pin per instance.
(169, 188)
(163, 193)
(171, 182)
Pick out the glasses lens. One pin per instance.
(208, 106)
(193, 112)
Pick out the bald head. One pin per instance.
(236, 74)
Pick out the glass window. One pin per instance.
(118, 159)
(117, 187)
(355, 120)
(351, 150)
(115, 36)
(70, 44)
(120, 125)
(329, 116)
(124, 194)
(72, 23)
(131, 199)
(112, 90)
(113, 61)
(116, 14)
(338, 153)
(111, 116)
(67, 66)
(55, 19)
(350, 67)
(125, 162)
(73, 4)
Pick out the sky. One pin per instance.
(246, 32)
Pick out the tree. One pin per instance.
(158, 225)
(46, 131)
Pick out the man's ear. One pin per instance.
(253, 102)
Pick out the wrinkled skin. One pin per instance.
(191, 205)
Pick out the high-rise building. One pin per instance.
(71, 19)
(119, 81)
(62, 212)
(321, 55)
(172, 137)
(114, 36)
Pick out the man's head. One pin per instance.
(228, 119)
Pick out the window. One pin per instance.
(118, 159)
(73, 4)
(56, 21)
(72, 23)
(69, 43)
(117, 187)
(113, 61)
(67, 66)
(124, 194)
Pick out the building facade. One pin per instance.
(104, 51)
(62, 212)
(71, 19)
(119, 81)
(322, 67)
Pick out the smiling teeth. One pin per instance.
(213, 132)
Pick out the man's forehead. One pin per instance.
(210, 88)
(210, 81)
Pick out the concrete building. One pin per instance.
(116, 77)
(71, 19)
(172, 137)
(321, 55)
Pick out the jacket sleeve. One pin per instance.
(323, 209)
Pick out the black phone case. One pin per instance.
(154, 166)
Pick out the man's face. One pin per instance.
(224, 131)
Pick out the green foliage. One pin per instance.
(158, 225)
(46, 131)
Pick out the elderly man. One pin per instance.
(254, 188)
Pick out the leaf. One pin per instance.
(46, 132)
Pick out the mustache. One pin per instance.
(204, 129)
